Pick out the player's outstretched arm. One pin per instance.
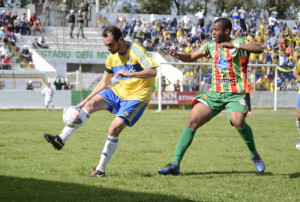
(146, 73)
(102, 85)
(186, 57)
(251, 47)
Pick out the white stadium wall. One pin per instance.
(32, 99)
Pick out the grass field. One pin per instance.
(217, 166)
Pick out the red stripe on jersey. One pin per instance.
(217, 71)
(231, 71)
(244, 62)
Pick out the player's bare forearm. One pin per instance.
(147, 73)
(186, 57)
(251, 47)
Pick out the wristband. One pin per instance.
(236, 45)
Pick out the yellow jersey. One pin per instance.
(297, 70)
(135, 59)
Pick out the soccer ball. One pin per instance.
(72, 117)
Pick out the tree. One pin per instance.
(155, 6)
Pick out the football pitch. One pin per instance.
(216, 167)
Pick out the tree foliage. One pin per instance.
(155, 6)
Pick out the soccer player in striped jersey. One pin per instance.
(132, 66)
(296, 74)
(229, 76)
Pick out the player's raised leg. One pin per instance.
(110, 146)
(238, 120)
(200, 115)
(95, 104)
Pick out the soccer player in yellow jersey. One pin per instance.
(296, 74)
(132, 66)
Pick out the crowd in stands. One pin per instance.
(281, 43)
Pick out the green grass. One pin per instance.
(216, 167)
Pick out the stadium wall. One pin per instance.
(61, 99)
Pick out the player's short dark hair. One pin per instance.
(115, 31)
(226, 23)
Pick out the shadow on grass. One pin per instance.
(228, 173)
(27, 189)
(294, 175)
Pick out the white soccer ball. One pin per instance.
(72, 117)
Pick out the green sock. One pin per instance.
(184, 142)
(247, 135)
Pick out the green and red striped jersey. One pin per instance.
(229, 69)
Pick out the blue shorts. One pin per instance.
(129, 111)
(298, 102)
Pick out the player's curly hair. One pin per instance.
(114, 30)
(226, 23)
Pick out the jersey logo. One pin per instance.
(233, 52)
(131, 69)
(222, 64)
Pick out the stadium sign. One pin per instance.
(174, 98)
(83, 55)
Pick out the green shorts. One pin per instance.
(233, 102)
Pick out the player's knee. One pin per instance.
(192, 124)
(238, 122)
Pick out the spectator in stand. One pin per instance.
(64, 10)
(46, 8)
(272, 22)
(37, 26)
(17, 26)
(4, 50)
(200, 16)
(168, 44)
(253, 17)
(205, 85)
(235, 14)
(242, 14)
(23, 17)
(174, 23)
(3, 35)
(274, 12)
(225, 14)
(116, 21)
(26, 27)
(195, 86)
(29, 85)
(68, 86)
(3, 18)
(42, 42)
(84, 7)
(59, 84)
(80, 21)
(71, 21)
(35, 44)
(25, 55)
(6, 63)
(177, 85)
(33, 18)
(298, 15)
(186, 86)
(9, 17)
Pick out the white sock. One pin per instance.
(67, 131)
(109, 149)
(298, 125)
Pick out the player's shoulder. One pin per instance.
(137, 49)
